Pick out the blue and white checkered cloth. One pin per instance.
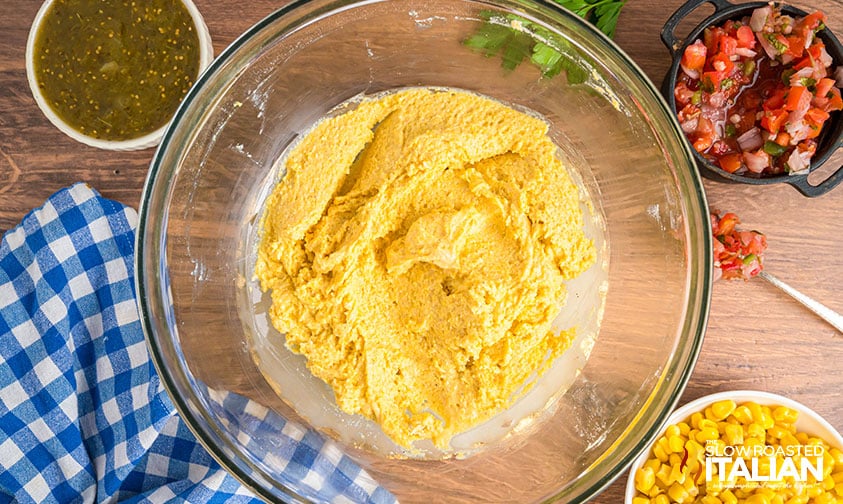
(83, 416)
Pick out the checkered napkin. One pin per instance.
(83, 416)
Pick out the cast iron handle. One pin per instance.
(668, 34)
(812, 191)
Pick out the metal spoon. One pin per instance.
(826, 313)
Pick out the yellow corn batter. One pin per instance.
(416, 250)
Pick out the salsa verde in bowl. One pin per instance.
(756, 89)
(111, 74)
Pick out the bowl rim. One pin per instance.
(151, 139)
(725, 10)
(739, 396)
(694, 324)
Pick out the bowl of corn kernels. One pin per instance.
(741, 447)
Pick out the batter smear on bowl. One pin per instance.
(417, 250)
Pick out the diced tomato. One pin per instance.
(776, 99)
(703, 137)
(693, 59)
(711, 81)
(817, 116)
(783, 139)
(816, 49)
(812, 21)
(727, 45)
(795, 45)
(731, 162)
(745, 36)
(773, 120)
(720, 62)
(823, 86)
(806, 62)
(711, 36)
(797, 98)
(835, 102)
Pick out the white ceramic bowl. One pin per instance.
(809, 421)
(206, 55)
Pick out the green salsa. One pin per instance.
(116, 69)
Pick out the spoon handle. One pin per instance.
(826, 313)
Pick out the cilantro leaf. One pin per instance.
(602, 13)
(515, 39)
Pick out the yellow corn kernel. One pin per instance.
(710, 499)
(728, 497)
(722, 409)
(660, 499)
(814, 491)
(837, 477)
(674, 459)
(742, 414)
(653, 464)
(706, 423)
(672, 430)
(676, 474)
(777, 432)
(708, 434)
(757, 498)
(797, 499)
(640, 500)
(785, 414)
(837, 455)
(825, 498)
(789, 440)
(663, 475)
(828, 463)
(695, 420)
(733, 434)
(684, 428)
(838, 489)
(827, 483)
(676, 444)
(678, 493)
(659, 452)
(645, 478)
(695, 450)
(708, 414)
(756, 430)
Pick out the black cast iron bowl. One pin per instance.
(829, 141)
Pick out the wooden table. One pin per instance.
(758, 338)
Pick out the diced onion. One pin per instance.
(751, 140)
(756, 161)
(759, 18)
(799, 161)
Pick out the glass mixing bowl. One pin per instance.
(201, 207)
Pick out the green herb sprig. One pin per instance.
(602, 13)
(499, 35)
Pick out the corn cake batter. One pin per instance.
(416, 251)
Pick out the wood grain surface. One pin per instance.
(757, 338)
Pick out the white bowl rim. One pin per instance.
(206, 55)
(826, 431)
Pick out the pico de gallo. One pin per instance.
(737, 253)
(753, 94)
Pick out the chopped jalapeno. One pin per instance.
(774, 149)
